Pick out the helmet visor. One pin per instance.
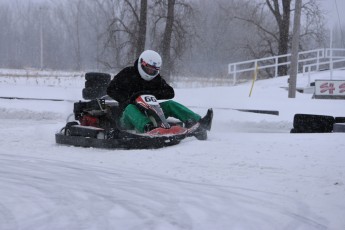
(149, 69)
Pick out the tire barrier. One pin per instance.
(311, 123)
(97, 76)
(339, 128)
(95, 85)
(339, 120)
(94, 93)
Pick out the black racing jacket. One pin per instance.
(127, 85)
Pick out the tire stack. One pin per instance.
(95, 85)
(339, 125)
(310, 123)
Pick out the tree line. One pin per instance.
(194, 37)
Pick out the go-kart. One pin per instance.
(96, 123)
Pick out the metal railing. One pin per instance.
(312, 57)
(329, 65)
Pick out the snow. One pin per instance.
(250, 174)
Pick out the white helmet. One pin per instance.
(149, 64)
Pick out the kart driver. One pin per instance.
(144, 78)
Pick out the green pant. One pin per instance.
(132, 117)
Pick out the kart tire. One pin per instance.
(310, 123)
(94, 93)
(93, 76)
(67, 130)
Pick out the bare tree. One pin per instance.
(71, 19)
(313, 29)
(126, 33)
(171, 31)
(276, 39)
(110, 34)
(281, 12)
(217, 38)
(77, 37)
(167, 36)
(142, 27)
(7, 36)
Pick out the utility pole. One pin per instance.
(294, 51)
(41, 38)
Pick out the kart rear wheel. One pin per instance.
(68, 127)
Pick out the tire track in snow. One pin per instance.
(52, 194)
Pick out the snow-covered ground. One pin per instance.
(250, 174)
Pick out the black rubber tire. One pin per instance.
(94, 93)
(292, 131)
(67, 131)
(313, 123)
(97, 76)
(339, 128)
(96, 83)
(339, 120)
(304, 130)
